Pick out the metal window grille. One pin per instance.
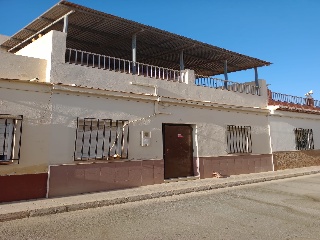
(304, 139)
(239, 139)
(10, 137)
(101, 139)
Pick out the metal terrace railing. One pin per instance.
(284, 98)
(95, 60)
(227, 85)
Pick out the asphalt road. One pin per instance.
(283, 209)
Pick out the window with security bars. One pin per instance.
(304, 139)
(101, 139)
(10, 138)
(239, 139)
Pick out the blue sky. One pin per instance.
(284, 32)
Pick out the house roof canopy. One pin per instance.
(94, 31)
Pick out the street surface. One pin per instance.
(283, 209)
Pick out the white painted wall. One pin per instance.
(33, 102)
(98, 78)
(50, 114)
(23, 68)
(210, 123)
(282, 125)
(3, 38)
(50, 47)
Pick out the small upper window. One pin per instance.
(101, 139)
(10, 138)
(239, 139)
(304, 139)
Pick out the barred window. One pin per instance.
(239, 139)
(10, 138)
(304, 139)
(101, 139)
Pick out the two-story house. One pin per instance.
(94, 102)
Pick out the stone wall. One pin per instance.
(296, 159)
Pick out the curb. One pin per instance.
(108, 202)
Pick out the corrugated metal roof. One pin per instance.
(94, 31)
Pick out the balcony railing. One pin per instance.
(227, 85)
(284, 99)
(94, 60)
(99, 61)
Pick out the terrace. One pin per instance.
(99, 40)
(293, 103)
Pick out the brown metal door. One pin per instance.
(178, 151)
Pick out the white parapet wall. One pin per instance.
(98, 78)
(3, 38)
(50, 47)
(20, 67)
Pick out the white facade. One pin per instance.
(282, 125)
(64, 92)
(145, 102)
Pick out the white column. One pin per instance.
(65, 24)
(134, 53)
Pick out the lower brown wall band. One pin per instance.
(23, 187)
(84, 178)
(234, 165)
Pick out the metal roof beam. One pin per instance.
(84, 29)
(116, 38)
(170, 51)
(100, 47)
(90, 30)
(29, 30)
(109, 16)
(40, 31)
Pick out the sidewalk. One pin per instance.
(32, 208)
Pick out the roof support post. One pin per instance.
(256, 80)
(226, 74)
(65, 24)
(181, 61)
(134, 53)
(256, 76)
